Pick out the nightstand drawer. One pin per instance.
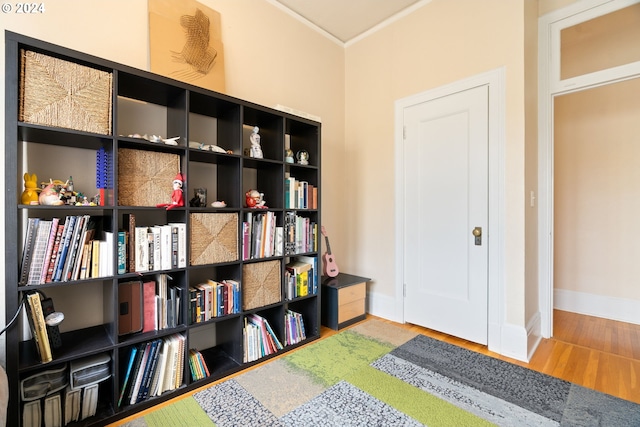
(352, 293)
(350, 310)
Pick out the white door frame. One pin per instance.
(495, 80)
(549, 86)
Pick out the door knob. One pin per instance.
(477, 232)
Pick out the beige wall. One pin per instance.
(596, 183)
(440, 43)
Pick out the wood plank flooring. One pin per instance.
(597, 353)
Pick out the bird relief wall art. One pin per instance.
(185, 43)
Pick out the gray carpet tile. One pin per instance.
(532, 390)
(486, 406)
(346, 406)
(586, 407)
(230, 405)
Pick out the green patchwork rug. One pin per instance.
(377, 374)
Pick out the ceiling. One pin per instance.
(345, 20)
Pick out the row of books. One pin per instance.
(261, 237)
(300, 277)
(300, 234)
(197, 365)
(160, 247)
(300, 194)
(150, 305)
(213, 299)
(56, 251)
(153, 368)
(259, 338)
(294, 328)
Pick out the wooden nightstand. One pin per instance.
(343, 300)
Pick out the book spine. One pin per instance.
(65, 248)
(49, 251)
(39, 249)
(174, 246)
(165, 247)
(142, 249)
(54, 253)
(95, 258)
(130, 222)
(125, 383)
(140, 373)
(149, 306)
(182, 245)
(148, 371)
(29, 241)
(122, 252)
(41, 337)
(157, 248)
(74, 250)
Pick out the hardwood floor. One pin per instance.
(596, 353)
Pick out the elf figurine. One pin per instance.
(177, 197)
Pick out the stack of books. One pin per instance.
(259, 338)
(197, 365)
(153, 368)
(300, 277)
(294, 328)
(57, 251)
(300, 234)
(213, 299)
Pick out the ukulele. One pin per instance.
(330, 268)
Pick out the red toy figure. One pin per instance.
(177, 198)
(254, 199)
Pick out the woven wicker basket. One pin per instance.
(261, 284)
(64, 94)
(145, 177)
(214, 238)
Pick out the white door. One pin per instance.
(446, 199)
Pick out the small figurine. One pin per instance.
(256, 150)
(30, 193)
(177, 199)
(303, 157)
(219, 204)
(288, 155)
(255, 199)
(50, 195)
(199, 198)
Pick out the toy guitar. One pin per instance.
(330, 268)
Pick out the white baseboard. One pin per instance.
(383, 306)
(515, 341)
(620, 309)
